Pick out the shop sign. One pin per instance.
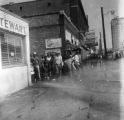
(11, 23)
(90, 35)
(68, 35)
(53, 43)
(90, 41)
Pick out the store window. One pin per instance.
(12, 49)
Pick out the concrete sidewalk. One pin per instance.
(42, 103)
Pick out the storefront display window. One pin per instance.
(12, 49)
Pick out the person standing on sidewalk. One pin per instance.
(49, 59)
(76, 61)
(69, 63)
(46, 68)
(59, 64)
(36, 64)
(32, 68)
(42, 67)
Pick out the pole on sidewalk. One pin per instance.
(104, 36)
(100, 43)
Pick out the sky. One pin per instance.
(93, 9)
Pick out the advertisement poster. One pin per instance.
(53, 43)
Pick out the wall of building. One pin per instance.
(78, 16)
(71, 27)
(41, 28)
(13, 79)
(51, 27)
(73, 9)
(41, 13)
(72, 36)
(38, 7)
(39, 35)
(13, 76)
(43, 20)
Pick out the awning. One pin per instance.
(84, 47)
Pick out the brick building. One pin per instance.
(55, 25)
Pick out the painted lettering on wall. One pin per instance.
(12, 26)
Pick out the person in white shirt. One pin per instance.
(76, 61)
(49, 66)
(59, 64)
(76, 58)
(48, 57)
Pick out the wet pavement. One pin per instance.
(39, 103)
(93, 93)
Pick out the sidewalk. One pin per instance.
(69, 98)
(42, 103)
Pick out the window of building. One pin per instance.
(20, 8)
(10, 10)
(48, 4)
(12, 49)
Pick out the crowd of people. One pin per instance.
(52, 65)
(117, 54)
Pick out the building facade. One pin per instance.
(53, 35)
(72, 8)
(52, 23)
(14, 53)
(117, 29)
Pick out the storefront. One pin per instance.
(72, 41)
(14, 53)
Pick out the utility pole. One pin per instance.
(100, 44)
(104, 36)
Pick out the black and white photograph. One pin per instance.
(61, 59)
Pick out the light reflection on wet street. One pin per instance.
(93, 94)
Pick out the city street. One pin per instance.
(93, 93)
(61, 60)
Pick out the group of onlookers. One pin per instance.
(117, 54)
(46, 66)
(52, 65)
